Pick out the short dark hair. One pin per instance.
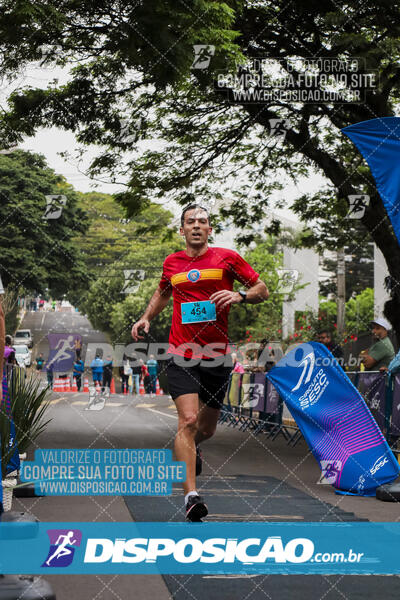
(8, 340)
(191, 207)
(325, 331)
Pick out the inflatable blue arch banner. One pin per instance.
(378, 140)
(335, 420)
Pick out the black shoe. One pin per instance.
(196, 509)
(199, 461)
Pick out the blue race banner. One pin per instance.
(195, 548)
(62, 351)
(334, 420)
(378, 140)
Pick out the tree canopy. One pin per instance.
(124, 259)
(38, 254)
(135, 78)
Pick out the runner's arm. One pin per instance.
(158, 302)
(254, 295)
(257, 293)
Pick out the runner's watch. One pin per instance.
(244, 296)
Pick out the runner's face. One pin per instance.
(196, 228)
(378, 331)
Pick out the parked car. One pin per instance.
(23, 336)
(23, 355)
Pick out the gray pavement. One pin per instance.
(144, 422)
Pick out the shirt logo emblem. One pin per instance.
(194, 275)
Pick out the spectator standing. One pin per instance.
(50, 375)
(97, 370)
(152, 367)
(325, 338)
(125, 371)
(145, 376)
(237, 366)
(79, 369)
(78, 347)
(9, 351)
(381, 352)
(107, 371)
(136, 373)
(39, 362)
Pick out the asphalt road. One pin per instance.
(144, 422)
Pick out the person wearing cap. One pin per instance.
(382, 352)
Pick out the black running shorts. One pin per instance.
(209, 382)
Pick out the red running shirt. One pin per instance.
(194, 279)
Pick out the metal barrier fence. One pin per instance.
(253, 404)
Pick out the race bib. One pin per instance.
(197, 312)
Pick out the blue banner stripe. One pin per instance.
(203, 548)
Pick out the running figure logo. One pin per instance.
(358, 203)
(133, 277)
(62, 351)
(203, 54)
(97, 399)
(253, 393)
(54, 206)
(62, 547)
(330, 471)
(279, 127)
(287, 279)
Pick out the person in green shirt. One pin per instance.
(381, 352)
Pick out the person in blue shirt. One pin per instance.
(79, 369)
(97, 370)
(152, 367)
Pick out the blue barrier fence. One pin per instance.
(253, 404)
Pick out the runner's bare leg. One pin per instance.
(188, 409)
(206, 422)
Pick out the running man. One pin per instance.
(64, 348)
(62, 542)
(200, 280)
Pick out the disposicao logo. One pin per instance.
(62, 547)
(192, 550)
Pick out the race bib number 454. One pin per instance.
(197, 312)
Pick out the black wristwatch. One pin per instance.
(244, 296)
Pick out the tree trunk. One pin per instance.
(341, 292)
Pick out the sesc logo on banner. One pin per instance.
(317, 386)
